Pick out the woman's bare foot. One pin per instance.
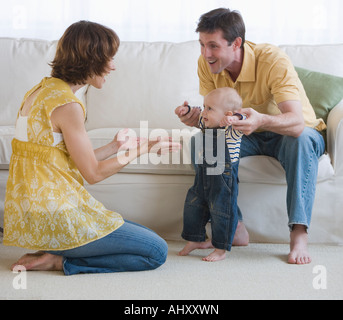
(216, 255)
(191, 246)
(241, 238)
(299, 253)
(40, 261)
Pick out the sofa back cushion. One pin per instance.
(23, 64)
(150, 81)
(320, 58)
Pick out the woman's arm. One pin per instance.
(120, 140)
(69, 119)
(106, 151)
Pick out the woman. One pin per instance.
(46, 207)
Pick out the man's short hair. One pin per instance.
(230, 22)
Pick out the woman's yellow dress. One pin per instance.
(47, 207)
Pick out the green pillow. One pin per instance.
(323, 90)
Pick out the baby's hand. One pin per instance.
(229, 120)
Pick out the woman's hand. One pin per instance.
(159, 146)
(124, 142)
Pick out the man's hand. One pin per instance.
(190, 119)
(289, 123)
(252, 123)
(183, 110)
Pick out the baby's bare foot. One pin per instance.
(216, 255)
(191, 246)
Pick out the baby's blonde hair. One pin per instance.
(226, 98)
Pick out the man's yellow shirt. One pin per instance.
(267, 78)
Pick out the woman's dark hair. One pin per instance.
(84, 51)
(230, 22)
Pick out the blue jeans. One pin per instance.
(299, 157)
(213, 196)
(130, 248)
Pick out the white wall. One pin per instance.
(273, 21)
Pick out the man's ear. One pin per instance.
(238, 43)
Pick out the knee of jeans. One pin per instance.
(160, 254)
(309, 140)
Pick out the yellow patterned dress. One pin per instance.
(47, 207)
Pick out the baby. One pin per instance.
(214, 197)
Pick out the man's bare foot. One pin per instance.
(216, 255)
(241, 238)
(299, 253)
(40, 261)
(191, 246)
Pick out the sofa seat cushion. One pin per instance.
(263, 169)
(258, 169)
(177, 163)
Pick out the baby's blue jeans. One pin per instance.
(213, 196)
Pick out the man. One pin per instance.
(280, 123)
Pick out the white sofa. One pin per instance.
(151, 80)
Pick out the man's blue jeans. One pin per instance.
(299, 157)
(132, 247)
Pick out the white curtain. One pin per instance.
(273, 21)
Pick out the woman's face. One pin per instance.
(99, 81)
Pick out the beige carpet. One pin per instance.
(259, 271)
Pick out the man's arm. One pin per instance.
(289, 123)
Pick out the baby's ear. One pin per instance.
(229, 114)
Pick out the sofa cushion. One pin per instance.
(319, 58)
(23, 64)
(150, 81)
(177, 163)
(323, 90)
(258, 169)
(263, 169)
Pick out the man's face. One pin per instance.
(216, 51)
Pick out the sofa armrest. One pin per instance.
(335, 137)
